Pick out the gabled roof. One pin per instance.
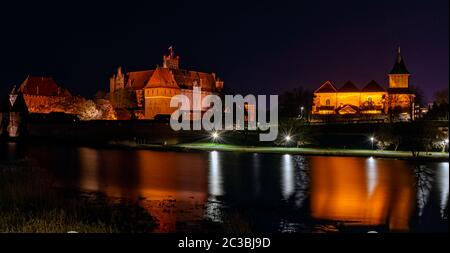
(348, 87)
(326, 87)
(373, 86)
(179, 78)
(399, 65)
(42, 86)
(161, 77)
(348, 108)
(138, 79)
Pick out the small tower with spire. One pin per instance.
(171, 61)
(399, 75)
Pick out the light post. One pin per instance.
(215, 135)
(287, 139)
(371, 140)
(301, 112)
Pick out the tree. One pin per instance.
(440, 108)
(386, 137)
(422, 136)
(294, 133)
(441, 96)
(292, 101)
(419, 95)
(88, 110)
(106, 108)
(100, 94)
(123, 99)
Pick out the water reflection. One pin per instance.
(371, 175)
(302, 179)
(215, 188)
(288, 176)
(344, 191)
(287, 193)
(256, 171)
(424, 180)
(443, 186)
(215, 175)
(89, 169)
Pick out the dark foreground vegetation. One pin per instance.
(29, 203)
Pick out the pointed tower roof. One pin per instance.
(348, 87)
(399, 65)
(326, 87)
(161, 77)
(373, 86)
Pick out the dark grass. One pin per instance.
(29, 204)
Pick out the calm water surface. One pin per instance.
(260, 192)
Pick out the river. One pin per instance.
(249, 192)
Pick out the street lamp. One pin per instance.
(287, 138)
(301, 112)
(371, 140)
(445, 145)
(215, 135)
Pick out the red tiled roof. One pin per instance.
(43, 86)
(179, 78)
(138, 79)
(326, 87)
(373, 86)
(161, 77)
(348, 87)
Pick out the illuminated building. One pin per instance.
(372, 100)
(41, 93)
(155, 88)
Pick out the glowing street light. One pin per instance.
(287, 138)
(215, 135)
(371, 140)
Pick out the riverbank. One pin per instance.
(438, 156)
(316, 151)
(31, 204)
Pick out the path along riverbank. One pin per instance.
(440, 156)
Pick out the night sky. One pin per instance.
(256, 47)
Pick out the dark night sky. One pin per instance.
(259, 47)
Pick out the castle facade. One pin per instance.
(154, 88)
(396, 102)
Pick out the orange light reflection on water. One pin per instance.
(356, 192)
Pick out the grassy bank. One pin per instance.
(29, 203)
(440, 156)
(314, 151)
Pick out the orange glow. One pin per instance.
(342, 190)
(171, 194)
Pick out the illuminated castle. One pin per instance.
(372, 100)
(40, 93)
(153, 89)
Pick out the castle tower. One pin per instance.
(171, 61)
(401, 99)
(399, 75)
(117, 81)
